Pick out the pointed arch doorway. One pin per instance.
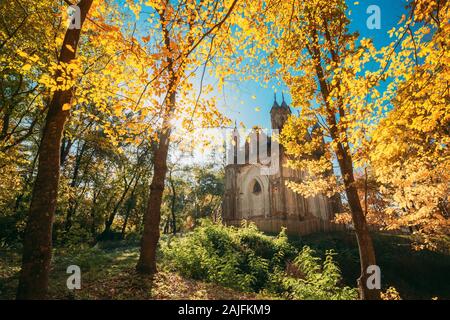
(255, 197)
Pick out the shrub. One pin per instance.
(245, 259)
(318, 281)
(239, 258)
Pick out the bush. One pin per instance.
(239, 258)
(318, 281)
(245, 259)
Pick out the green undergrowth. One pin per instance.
(247, 260)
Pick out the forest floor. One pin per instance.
(108, 272)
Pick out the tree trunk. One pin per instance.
(173, 205)
(113, 214)
(125, 222)
(5, 126)
(152, 218)
(27, 184)
(166, 226)
(365, 245)
(93, 213)
(37, 245)
(130, 205)
(73, 202)
(65, 149)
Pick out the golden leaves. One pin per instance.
(410, 146)
(26, 67)
(62, 76)
(135, 7)
(399, 129)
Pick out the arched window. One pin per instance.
(256, 187)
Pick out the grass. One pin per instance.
(415, 274)
(108, 273)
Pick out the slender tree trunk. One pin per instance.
(5, 125)
(174, 218)
(365, 245)
(65, 149)
(366, 193)
(27, 184)
(113, 214)
(125, 222)
(152, 218)
(172, 205)
(93, 212)
(37, 245)
(130, 205)
(73, 203)
(166, 226)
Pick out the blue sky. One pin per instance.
(236, 100)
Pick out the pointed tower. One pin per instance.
(236, 143)
(279, 114)
(284, 104)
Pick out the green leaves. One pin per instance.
(320, 280)
(241, 258)
(245, 259)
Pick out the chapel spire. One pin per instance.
(275, 103)
(283, 103)
(279, 114)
